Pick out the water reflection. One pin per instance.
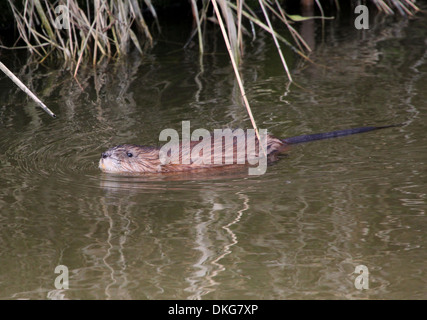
(210, 228)
(209, 265)
(296, 232)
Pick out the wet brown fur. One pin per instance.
(146, 159)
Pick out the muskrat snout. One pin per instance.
(107, 163)
(130, 158)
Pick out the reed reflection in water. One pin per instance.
(296, 232)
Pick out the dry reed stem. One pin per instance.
(106, 31)
(399, 5)
(199, 29)
(24, 88)
(107, 34)
(236, 71)
(261, 3)
(266, 28)
(297, 38)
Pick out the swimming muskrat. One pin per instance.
(131, 158)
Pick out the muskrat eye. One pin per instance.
(130, 155)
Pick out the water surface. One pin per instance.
(296, 232)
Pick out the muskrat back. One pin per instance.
(239, 148)
(236, 148)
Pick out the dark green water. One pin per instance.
(296, 232)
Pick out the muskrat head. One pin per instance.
(130, 158)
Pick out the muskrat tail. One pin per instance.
(333, 134)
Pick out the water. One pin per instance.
(296, 232)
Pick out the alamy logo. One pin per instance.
(223, 147)
(362, 20)
(61, 281)
(62, 21)
(362, 280)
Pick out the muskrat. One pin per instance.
(132, 158)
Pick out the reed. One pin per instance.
(404, 7)
(236, 71)
(63, 29)
(95, 30)
(24, 88)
